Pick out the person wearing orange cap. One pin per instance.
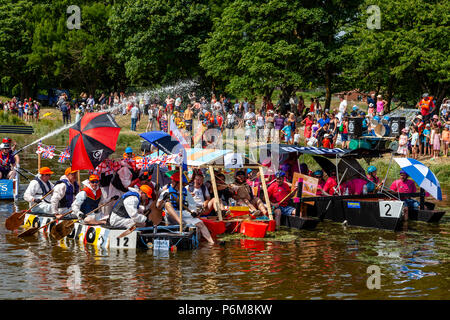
(64, 192)
(37, 188)
(169, 199)
(88, 199)
(130, 208)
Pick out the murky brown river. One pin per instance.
(328, 263)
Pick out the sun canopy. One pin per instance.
(285, 149)
(422, 175)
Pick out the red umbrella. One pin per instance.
(92, 140)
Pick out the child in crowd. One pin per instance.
(426, 140)
(403, 144)
(446, 139)
(297, 137)
(414, 142)
(436, 141)
(343, 129)
(326, 142)
(287, 132)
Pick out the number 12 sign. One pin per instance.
(390, 209)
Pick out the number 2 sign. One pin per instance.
(390, 209)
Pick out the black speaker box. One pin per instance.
(397, 124)
(355, 127)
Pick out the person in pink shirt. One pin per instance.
(404, 185)
(321, 183)
(355, 186)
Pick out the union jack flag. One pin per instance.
(49, 152)
(40, 149)
(64, 155)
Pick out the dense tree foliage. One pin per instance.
(238, 46)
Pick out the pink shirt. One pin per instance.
(357, 185)
(380, 106)
(403, 187)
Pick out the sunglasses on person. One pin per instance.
(94, 181)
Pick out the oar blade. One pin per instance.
(127, 232)
(29, 232)
(62, 229)
(14, 221)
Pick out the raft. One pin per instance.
(159, 238)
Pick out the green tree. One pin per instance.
(15, 46)
(408, 55)
(159, 40)
(256, 47)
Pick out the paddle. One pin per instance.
(15, 220)
(32, 231)
(65, 227)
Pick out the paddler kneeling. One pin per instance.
(88, 199)
(64, 193)
(169, 199)
(37, 188)
(130, 208)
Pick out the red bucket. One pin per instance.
(214, 227)
(254, 229)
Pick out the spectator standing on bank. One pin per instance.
(134, 116)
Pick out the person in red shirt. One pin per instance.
(277, 192)
(330, 185)
(326, 142)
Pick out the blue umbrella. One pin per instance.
(166, 143)
(422, 175)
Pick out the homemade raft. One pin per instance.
(159, 238)
(381, 210)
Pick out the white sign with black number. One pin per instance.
(390, 209)
(233, 161)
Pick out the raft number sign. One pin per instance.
(390, 209)
(6, 189)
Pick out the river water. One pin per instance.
(330, 262)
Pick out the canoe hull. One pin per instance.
(370, 213)
(107, 237)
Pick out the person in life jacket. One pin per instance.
(88, 199)
(170, 201)
(64, 192)
(12, 144)
(426, 106)
(374, 183)
(37, 188)
(130, 208)
(7, 162)
(128, 153)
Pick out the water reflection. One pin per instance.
(329, 263)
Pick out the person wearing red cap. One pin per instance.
(7, 162)
(169, 199)
(64, 193)
(37, 188)
(88, 199)
(130, 208)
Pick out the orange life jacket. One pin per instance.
(90, 194)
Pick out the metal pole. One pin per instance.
(390, 161)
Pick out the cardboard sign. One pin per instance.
(309, 184)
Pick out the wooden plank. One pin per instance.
(266, 194)
(216, 193)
